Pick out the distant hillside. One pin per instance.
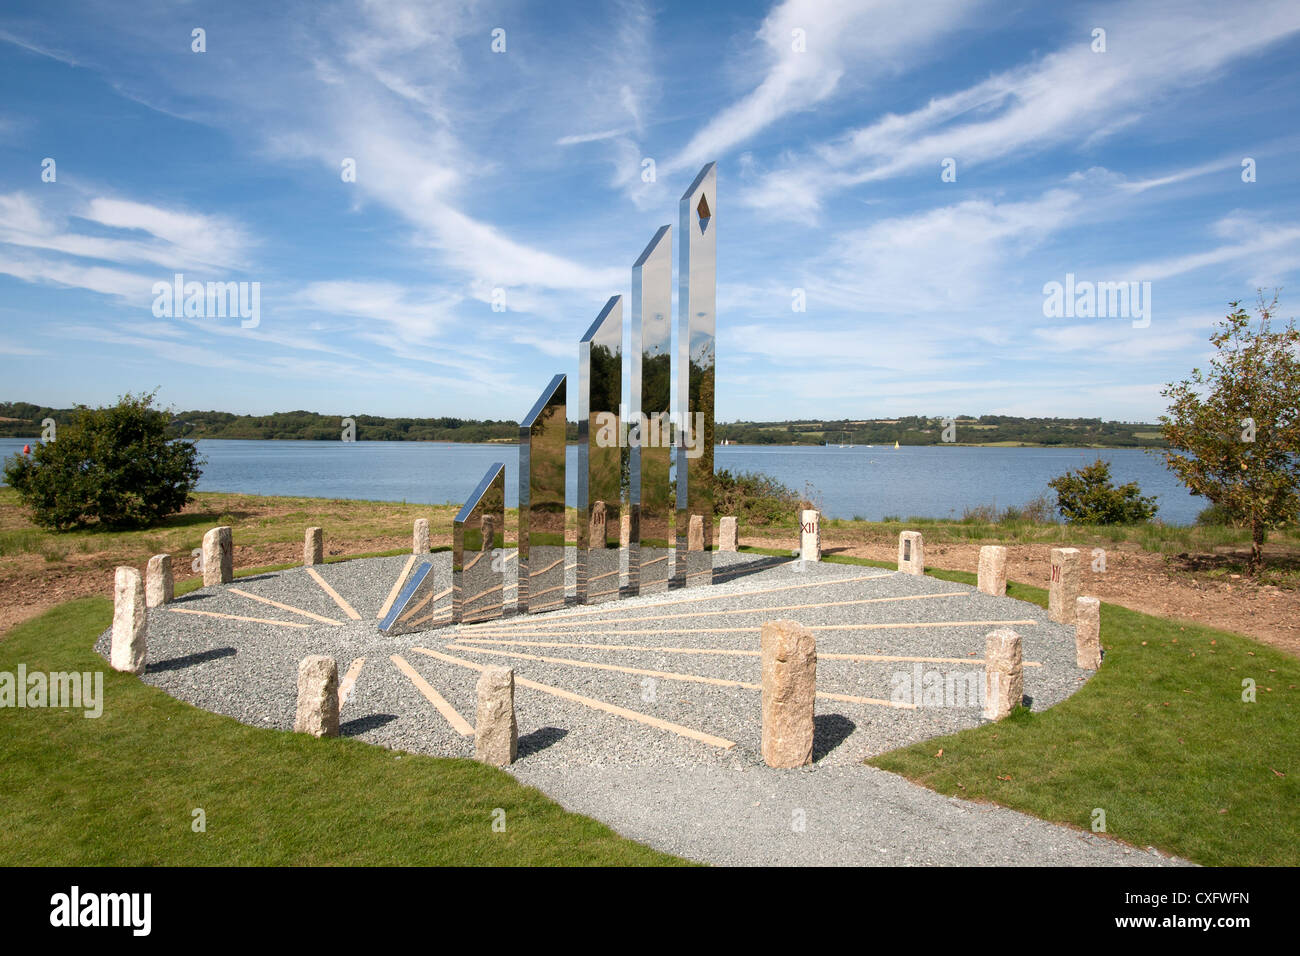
(312, 426)
(923, 430)
(23, 420)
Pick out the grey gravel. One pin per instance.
(674, 793)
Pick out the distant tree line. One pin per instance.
(925, 430)
(23, 420)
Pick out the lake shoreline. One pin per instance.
(514, 443)
(866, 482)
(1192, 573)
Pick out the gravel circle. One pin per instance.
(672, 792)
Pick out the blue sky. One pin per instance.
(522, 171)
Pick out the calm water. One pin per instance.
(922, 481)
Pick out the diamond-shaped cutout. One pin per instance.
(703, 208)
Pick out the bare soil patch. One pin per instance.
(49, 569)
(1182, 587)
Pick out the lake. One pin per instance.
(912, 481)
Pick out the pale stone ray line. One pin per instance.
(286, 607)
(458, 723)
(594, 704)
(237, 617)
(719, 597)
(673, 675)
(347, 608)
(397, 589)
(730, 652)
(629, 616)
(349, 681)
(899, 625)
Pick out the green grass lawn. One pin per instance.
(121, 789)
(1160, 739)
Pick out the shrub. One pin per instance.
(1087, 496)
(1040, 510)
(1217, 516)
(980, 514)
(754, 497)
(113, 465)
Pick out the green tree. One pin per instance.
(1087, 496)
(113, 465)
(1234, 431)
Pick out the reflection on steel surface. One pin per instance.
(417, 607)
(650, 430)
(697, 277)
(541, 502)
(478, 534)
(600, 454)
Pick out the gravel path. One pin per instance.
(818, 816)
(688, 657)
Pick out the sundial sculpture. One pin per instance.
(607, 446)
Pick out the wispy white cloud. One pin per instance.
(40, 50)
(1252, 239)
(10, 346)
(149, 234)
(128, 286)
(947, 258)
(185, 237)
(391, 310)
(1153, 50)
(1180, 175)
(618, 87)
(602, 136)
(523, 173)
(807, 47)
(1116, 342)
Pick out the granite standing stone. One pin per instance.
(318, 697)
(597, 529)
(810, 536)
(993, 570)
(420, 538)
(789, 660)
(728, 536)
(313, 547)
(496, 735)
(1004, 673)
(695, 534)
(1064, 588)
(159, 583)
(130, 647)
(911, 552)
(1087, 632)
(218, 556)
